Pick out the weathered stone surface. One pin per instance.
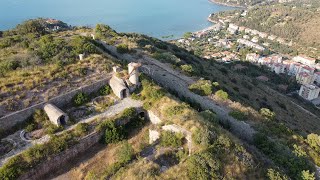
(153, 118)
(153, 136)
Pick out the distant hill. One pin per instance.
(293, 21)
(246, 3)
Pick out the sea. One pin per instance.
(157, 18)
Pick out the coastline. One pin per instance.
(226, 4)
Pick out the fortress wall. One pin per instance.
(12, 119)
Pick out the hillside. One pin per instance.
(246, 3)
(291, 22)
(280, 140)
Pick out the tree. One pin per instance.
(31, 26)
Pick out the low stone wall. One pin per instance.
(12, 119)
(58, 161)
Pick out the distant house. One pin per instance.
(252, 57)
(309, 91)
(233, 29)
(305, 60)
(316, 77)
(250, 44)
(278, 68)
(304, 78)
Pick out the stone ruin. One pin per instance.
(56, 115)
(121, 84)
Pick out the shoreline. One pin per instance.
(226, 4)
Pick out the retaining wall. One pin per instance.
(58, 161)
(10, 120)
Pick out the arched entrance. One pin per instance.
(62, 120)
(123, 93)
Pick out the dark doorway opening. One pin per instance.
(62, 120)
(124, 93)
(141, 115)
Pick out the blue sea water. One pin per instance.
(156, 18)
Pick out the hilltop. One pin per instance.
(227, 124)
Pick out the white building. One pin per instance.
(252, 57)
(309, 92)
(304, 78)
(316, 77)
(305, 60)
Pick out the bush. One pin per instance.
(267, 113)
(113, 134)
(222, 95)
(203, 166)
(275, 175)
(171, 139)
(129, 113)
(187, 68)
(125, 152)
(81, 129)
(105, 90)
(209, 116)
(175, 110)
(202, 87)
(122, 48)
(314, 141)
(80, 98)
(239, 115)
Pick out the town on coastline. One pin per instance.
(306, 70)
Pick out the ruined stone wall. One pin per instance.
(12, 119)
(179, 83)
(58, 161)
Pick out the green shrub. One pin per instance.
(80, 98)
(202, 87)
(81, 129)
(125, 152)
(113, 134)
(122, 48)
(203, 166)
(306, 175)
(239, 115)
(267, 113)
(105, 90)
(175, 110)
(275, 175)
(314, 141)
(187, 68)
(171, 139)
(222, 95)
(129, 113)
(209, 116)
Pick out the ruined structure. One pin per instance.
(56, 115)
(121, 83)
